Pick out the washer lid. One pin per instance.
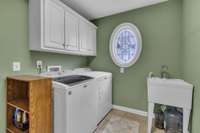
(72, 79)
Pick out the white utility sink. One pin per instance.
(172, 92)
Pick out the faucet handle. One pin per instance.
(150, 75)
(164, 67)
(164, 72)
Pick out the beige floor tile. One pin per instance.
(159, 131)
(122, 122)
(117, 112)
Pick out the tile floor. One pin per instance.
(121, 122)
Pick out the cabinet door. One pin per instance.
(91, 39)
(101, 97)
(87, 38)
(54, 25)
(82, 108)
(71, 31)
(108, 94)
(83, 36)
(104, 97)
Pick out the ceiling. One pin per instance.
(93, 9)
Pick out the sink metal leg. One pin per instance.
(150, 116)
(186, 118)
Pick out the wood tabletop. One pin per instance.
(27, 78)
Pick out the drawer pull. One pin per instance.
(85, 86)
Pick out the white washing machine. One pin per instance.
(81, 99)
(74, 104)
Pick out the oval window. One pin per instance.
(125, 45)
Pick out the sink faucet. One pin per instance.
(164, 72)
(151, 75)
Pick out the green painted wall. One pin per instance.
(191, 54)
(160, 26)
(14, 47)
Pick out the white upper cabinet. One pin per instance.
(71, 31)
(87, 38)
(54, 27)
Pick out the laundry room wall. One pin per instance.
(160, 26)
(191, 54)
(14, 47)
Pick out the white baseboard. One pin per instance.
(130, 110)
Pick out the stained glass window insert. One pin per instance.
(125, 46)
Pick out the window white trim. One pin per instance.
(114, 37)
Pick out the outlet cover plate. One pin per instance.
(16, 66)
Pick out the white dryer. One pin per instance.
(103, 84)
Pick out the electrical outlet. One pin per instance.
(39, 64)
(16, 66)
(122, 70)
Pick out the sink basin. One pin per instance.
(173, 92)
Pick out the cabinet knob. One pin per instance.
(85, 86)
(70, 93)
